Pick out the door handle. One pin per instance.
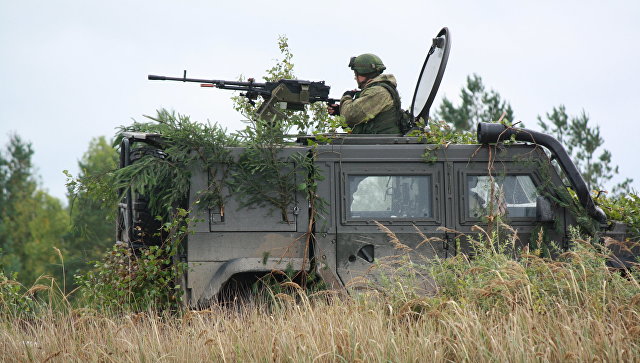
(366, 252)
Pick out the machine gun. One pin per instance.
(284, 94)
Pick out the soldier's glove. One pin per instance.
(333, 109)
(350, 93)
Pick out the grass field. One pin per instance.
(491, 308)
(349, 331)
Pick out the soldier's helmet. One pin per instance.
(366, 63)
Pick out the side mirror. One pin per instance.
(544, 211)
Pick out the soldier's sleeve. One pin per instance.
(371, 102)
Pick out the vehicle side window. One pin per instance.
(389, 196)
(513, 195)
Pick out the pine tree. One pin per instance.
(583, 143)
(478, 105)
(17, 186)
(32, 223)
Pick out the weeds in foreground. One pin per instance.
(501, 277)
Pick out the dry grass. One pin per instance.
(491, 308)
(366, 329)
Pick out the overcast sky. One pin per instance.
(73, 70)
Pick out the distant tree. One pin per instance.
(32, 222)
(92, 229)
(478, 105)
(47, 222)
(583, 143)
(16, 186)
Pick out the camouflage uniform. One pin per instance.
(373, 110)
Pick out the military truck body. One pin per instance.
(371, 185)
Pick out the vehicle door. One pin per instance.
(389, 207)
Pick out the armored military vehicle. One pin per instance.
(373, 184)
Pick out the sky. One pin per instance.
(72, 70)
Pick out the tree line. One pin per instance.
(39, 235)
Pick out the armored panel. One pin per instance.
(235, 217)
(235, 240)
(367, 257)
(232, 245)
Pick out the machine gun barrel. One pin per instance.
(232, 85)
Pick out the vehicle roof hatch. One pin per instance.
(431, 75)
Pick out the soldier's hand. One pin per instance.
(334, 110)
(350, 93)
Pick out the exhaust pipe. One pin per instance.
(489, 133)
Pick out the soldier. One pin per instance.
(375, 109)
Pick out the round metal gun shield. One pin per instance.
(431, 75)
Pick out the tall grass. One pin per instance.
(350, 331)
(493, 307)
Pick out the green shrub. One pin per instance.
(626, 209)
(14, 298)
(147, 278)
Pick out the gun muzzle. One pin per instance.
(151, 77)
